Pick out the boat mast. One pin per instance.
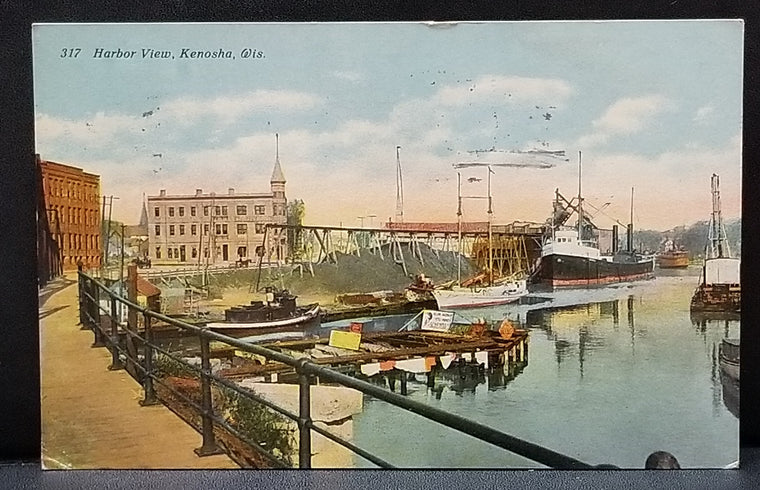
(490, 231)
(580, 201)
(630, 231)
(459, 228)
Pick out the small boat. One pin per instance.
(483, 290)
(278, 313)
(672, 257)
(477, 296)
(729, 357)
(719, 286)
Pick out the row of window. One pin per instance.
(240, 210)
(72, 215)
(219, 229)
(75, 241)
(179, 253)
(58, 187)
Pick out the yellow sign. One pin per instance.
(345, 340)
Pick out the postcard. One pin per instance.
(464, 245)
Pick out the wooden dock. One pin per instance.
(91, 417)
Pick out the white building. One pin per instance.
(215, 228)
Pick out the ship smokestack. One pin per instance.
(629, 237)
(614, 239)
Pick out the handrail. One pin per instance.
(90, 293)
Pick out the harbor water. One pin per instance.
(613, 374)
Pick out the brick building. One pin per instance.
(211, 228)
(72, 201)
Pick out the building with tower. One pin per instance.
(215, 228)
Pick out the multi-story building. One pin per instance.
(72, 201)
(211, 228)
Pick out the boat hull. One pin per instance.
(561, 271)
(308, 317)
(459, 297)
(673, 260)
(717, 298)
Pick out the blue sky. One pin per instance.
(652, 105)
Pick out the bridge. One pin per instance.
(515, 247)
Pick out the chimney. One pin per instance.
(231, 191)
(198, 192)
(162, 193)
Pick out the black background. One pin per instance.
(19, 336)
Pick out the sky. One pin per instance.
(652, 108)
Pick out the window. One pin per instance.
(205, 210)
(242, 229)
(242, 252)
(224, 210)
(158, 252)
(218, 229)
(158, 230)
(279, 195)
(181, 229)
(194, 253)
(171, 229)
(192, 210)
(182, 210)
(259, 209)
(205, 252)
(193, 230)
(224, 229)
(217, 210)
(176, 253)
(169, 253)
(205, 229)
(171, 211)
(260, 227)
(241, 210)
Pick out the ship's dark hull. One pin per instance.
(559, 271)
(717, 298)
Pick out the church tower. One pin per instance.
(277, 185)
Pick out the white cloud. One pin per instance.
(704, 114)
(628, 115)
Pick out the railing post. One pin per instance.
(304, 416)
(209, 446)
(95, 324)
(150, 393)
(80, 297)
(115, 361)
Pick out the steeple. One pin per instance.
(277, 175)
(144, 215)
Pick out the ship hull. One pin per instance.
(673, 260)
(565, 271)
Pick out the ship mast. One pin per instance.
(490, 230)
(580, 201)
(459, 228)
(718, 241)
(399, 188)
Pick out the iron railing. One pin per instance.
(134, 349)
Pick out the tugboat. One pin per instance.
(277, 313)
(570, 256)
(719, 288)
(672, 257)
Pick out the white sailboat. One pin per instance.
(499, 293)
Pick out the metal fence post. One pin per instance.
(209, 446)
(115, 361)
(80, 297)
(150, 393)
(95, 324)
(304, 416)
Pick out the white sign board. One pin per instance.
(439, 321)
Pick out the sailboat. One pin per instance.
(570, 257)
(719, 288)
(504, 291)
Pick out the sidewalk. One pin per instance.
(91, 417)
